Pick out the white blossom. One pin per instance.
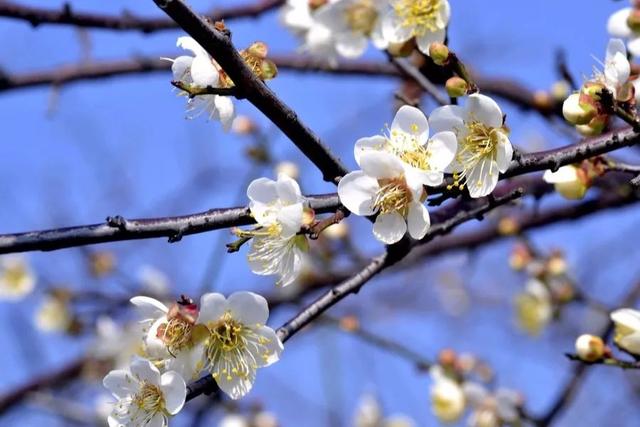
(534, 307)
(276, 248)
(239, 342)
(144, 397)
(200, 70)
(569, 180)
(426, 20)
(484, 149)
(627, 329)
(491, 409)
(447, 397)
(153, 280)
(119, 343)
(53, 315)
(618, 26)
(17, 279)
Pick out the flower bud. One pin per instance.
(456, 87)
(243, 125)
(560, 90)
(577, 112)
(337, 231)
(508, 226)
(594, 127)
(570, 181)
(633, 21)
(542, 100)
(288, 168)
(439, 52)
(258, 49)
(268, 70)
(590, 348)
(101, 263)
(349, 323)
(557, 263)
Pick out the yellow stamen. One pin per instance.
(361, 17)
(421, 15)
(393, 196)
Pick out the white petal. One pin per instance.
(121, 384)
(351, 45)
(417, 178)
(424, 41)
(181, 66)
(567, 173)
(445, 12)
(144, 370)
(442, 149)
(634, 46)
(187, 363)
(158, 420)
(631, 343)
(617, 23)
(505, 152)
(356, 191)
(380, 164)
(377, 36)
(288, 189)
(189, 43)
(290, 266)
(627, 317)
(411, 120)
(474, 393)
(484, 109)
(377, 142)
(154, 346)
(262, 190)
(236, 387)
(483, 178)
(212, 307)
(617, 68)
(203, 73)
(447, 118)
(392, 29)
(225, 110)
(273, 346)
(248, 308)
(175, 391)
(290, 217)
(149, 308)
(389, 228)
(418, 221)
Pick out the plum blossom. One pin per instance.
(238, 341)
(276, 246)
(569, 180)
(447, 397)
(484, 149)
(426, 20)
(395, 169)
(534, 307)
(627, 329)
(200, 70)
(492, 409)
(172, 336)
(144, 396)
(625, 23)
(17, 279)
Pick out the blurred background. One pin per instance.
(76, 153)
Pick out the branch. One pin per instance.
(219, 46)
(126, 21)
(118, 229)
(409, 70)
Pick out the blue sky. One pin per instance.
(122, 146)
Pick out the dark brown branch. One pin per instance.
(219, 46)
(126, 21)
(409, 70)
(193, 91)
(118, 229)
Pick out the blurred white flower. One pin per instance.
(145, 398)
(447, 397)
(484, 149)
(569, 180)
(627, 329)
(233, 420)
(53, 315)
(239, 342)
(368, 412)
(116, 342)
(625, 23)
(426, 20)
(17, 279)
(202, 71)
(288, 168)
(534, 307)
(276, 248)
(265, 419)
(492, 409)
(153, 280)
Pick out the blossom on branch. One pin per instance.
(239, 342)
(145, 397)
(17, 279)
(492, 409)
(484, 149)
(625, 23)
(276, 246)
(448, 401)
(426, 20)
(627, 329)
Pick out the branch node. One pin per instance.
(117, 222)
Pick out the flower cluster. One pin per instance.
(453, 392)
(201, 71)
(548, 289)
(227, 337)
(601, 96)
(342, 28)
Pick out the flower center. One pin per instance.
(421, 15)
(15, 275)
(393, 196)
(409, 150)
(361, 17)
(149, 399)
(232, 347)
(479, 144)
(176, 334)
